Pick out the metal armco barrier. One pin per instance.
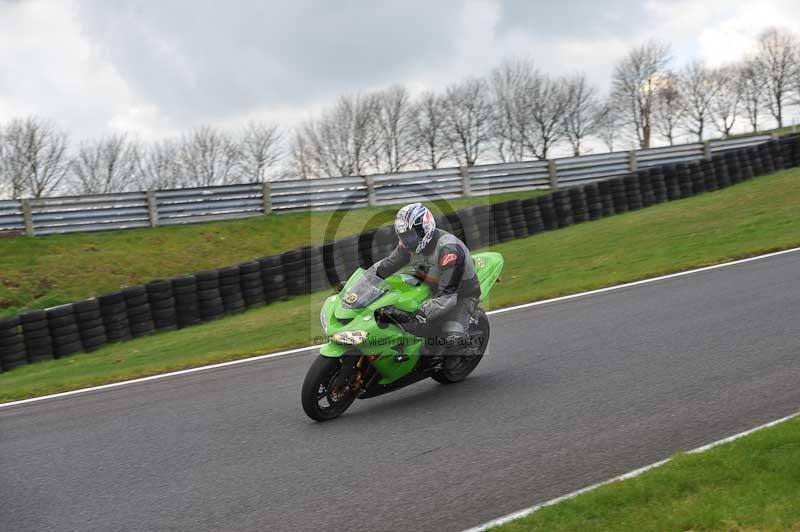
(104, 212)
(164, 305)
(11, 216)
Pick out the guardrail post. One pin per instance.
(152, 208)
(266, 192)
(370, 182)
(27, 216)
(466, 188)
(707, 150)
(553, 172)
(633, 164)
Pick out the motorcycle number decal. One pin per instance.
(351, 298)
(448, 259)
(481, 263)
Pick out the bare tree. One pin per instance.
(531, 109)
(209, 157)
(429, 122)
(509, 82)
(668, 107)
(397, 148)
(300, 159)
(260, 147)
(342, 141)
(796, 80)
(160, 167)
(468, 115)
(12, 163)
(699, 87)
(608, 124)
(35, 158)
(581, 113)
(777, 55)
(635, 84)
(753, 90)
(546, 101)
(725, 107)
(106, 165)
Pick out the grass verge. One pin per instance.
(750, 484)
(748, 219)
(51, 270)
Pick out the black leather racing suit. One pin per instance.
(447, 264)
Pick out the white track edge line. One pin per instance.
(159, 376)
(631, 474)
(311, 347)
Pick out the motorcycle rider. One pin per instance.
(441, 259)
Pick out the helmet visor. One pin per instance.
(410, 239)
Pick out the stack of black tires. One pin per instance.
(606, 193)
(187, 303)
(163, 309)
(90, 324)
(502, 221)
(272, 279)
(252, 284)
(36, 330)
(533, 215)
(115, 317)
(64, 333)
(12, 344)
(619, 195)
(472, 235)
(209, 297)
(487, 228)
(230, 289)
(594, 202)
(383, 242)
(366, 241)
(516, 219)
(140, 317)
(563, 208)
(547, 210)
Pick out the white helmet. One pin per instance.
(414, 226)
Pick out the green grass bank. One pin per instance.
(748, 485)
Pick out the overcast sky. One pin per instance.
(159, 68)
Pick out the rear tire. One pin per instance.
(456, 368)
(321, 403)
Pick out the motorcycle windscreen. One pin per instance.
(365, 291)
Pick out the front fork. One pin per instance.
(355, 371)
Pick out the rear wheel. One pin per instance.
(322, 397)
(457, 367)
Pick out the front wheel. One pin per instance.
(457, 367)
(322, 398)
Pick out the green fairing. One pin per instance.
(381, 341)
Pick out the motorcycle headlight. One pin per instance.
(322, 320)
(350, 337)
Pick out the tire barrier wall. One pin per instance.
(166, 305)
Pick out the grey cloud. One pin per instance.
(210, 60)
(583, 19)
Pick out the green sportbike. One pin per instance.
(367, 355)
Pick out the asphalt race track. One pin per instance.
(572, 393)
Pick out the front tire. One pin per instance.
(456, 368)
(320, 402)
